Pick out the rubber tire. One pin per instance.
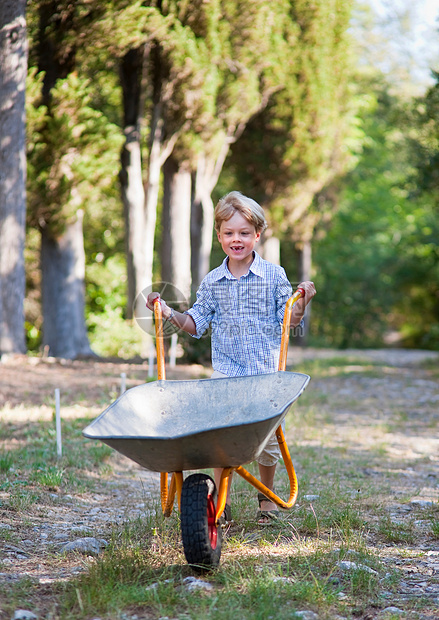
(201, 539)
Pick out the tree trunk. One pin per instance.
(63, 273)
(176, 248)
(13, 69)
(202, 218)
(62, 256)
(202, 222)
(159, 151)
(305, 260)
(133, 198)
(140, 202)
(133, 194)
(152, 195)
(270, 248)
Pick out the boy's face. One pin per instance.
(238, 237)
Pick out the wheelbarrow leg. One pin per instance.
(167, 498)
(294, 487)
(222, 492)
(291, 475)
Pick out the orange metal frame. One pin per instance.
(176, 483)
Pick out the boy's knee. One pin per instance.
(270, 455)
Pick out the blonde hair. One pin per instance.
(235, 202)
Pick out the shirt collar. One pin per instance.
(256, 267)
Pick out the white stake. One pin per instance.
(173, 351)
(122, 383)
(58, 424)
(151, 361)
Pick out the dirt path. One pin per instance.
(394, 406)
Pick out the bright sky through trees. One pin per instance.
(411, 30)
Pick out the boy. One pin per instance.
(244, 301)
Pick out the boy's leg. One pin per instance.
(267, 473)
(267, 468)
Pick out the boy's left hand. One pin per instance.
(310, 290)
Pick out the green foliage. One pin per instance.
(73, 162)
(72, 153)
(110, 334)
(419, 268)
(426, 141)
(355, 261)
(377, 264)
(220, 61)
(106, 282)
(297, 144)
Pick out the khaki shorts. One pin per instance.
(271, 453)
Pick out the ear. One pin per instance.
(258, 236)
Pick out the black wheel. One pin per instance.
(201, 538)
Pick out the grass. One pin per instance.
(339, 365)
(6, 462)
(396, 532)
(352, 486)
(434, 528)
(137, 575)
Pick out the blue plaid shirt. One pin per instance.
(245, 317)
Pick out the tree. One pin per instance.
(163, 82)
(176, 214)
(136, 42)
(194, 75)
(62, 251)
(221, 56)
(68, 153)
(377, 261)
(296, 145)
(425, 143)
(13, 67)
(245, 45)
(418, 273)
(139, 195)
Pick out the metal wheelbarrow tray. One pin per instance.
(171, 426)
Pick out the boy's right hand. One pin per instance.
(150, 301)
(181, 321)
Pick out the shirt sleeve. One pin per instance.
(203, 309)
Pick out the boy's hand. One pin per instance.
(180, 320)
(166, 310)
(300, 305)
(310, 290)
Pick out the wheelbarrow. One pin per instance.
(176, 426)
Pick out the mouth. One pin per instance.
(236, 248)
